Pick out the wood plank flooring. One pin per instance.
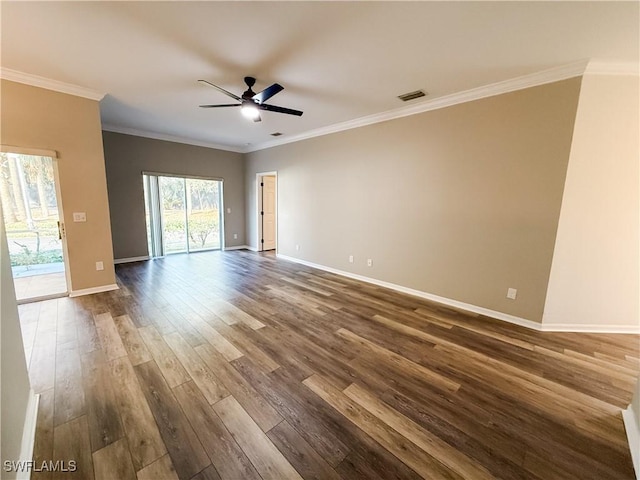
(237, 365)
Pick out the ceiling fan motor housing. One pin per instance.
(248, 95)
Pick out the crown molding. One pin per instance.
(576, 69)
(564, 72)
(49, 84)
(598, 67)
(169, 138)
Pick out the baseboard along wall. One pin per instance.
(523, 322)
(89, 291)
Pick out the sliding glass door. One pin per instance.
(183, 214)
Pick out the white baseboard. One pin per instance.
(427, 296)
(29, 434)
(633, 435)
(578, 327)
(92, 290)
(523, 322)
(131, 259)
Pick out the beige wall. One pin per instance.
(15, 387)
(127, 156)
(594, 279)
(37, 118)
(461, 202)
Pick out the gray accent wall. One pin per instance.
(461, 202)
(127, 156)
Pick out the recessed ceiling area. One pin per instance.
(337, 61)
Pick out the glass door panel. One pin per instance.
(174, 221)
(31, 217)
(203, 214)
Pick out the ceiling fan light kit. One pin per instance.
(250, 111)
(250, 102)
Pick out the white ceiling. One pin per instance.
(338, 61)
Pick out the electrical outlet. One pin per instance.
(228, 210)
(297, 247)
(369, 262)
(350, 258)
(512, 293)
(235, 236)
(99, 266)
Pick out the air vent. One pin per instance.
(412, 95)
(276, 134)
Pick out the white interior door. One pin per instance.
(269, 212)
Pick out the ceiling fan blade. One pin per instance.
(232, 95)
(275, 108)
(223, 105)
(267, 93)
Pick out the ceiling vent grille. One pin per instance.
(412, 95)
(276, 134)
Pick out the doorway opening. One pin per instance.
(184, 214)
(35, 233)
(267, 203)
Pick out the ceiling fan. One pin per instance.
(250, 102)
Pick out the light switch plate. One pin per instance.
(79, 217)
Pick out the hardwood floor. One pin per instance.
(236, 365)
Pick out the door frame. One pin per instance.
(259, 204)
(53, 154)
(65, 249)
